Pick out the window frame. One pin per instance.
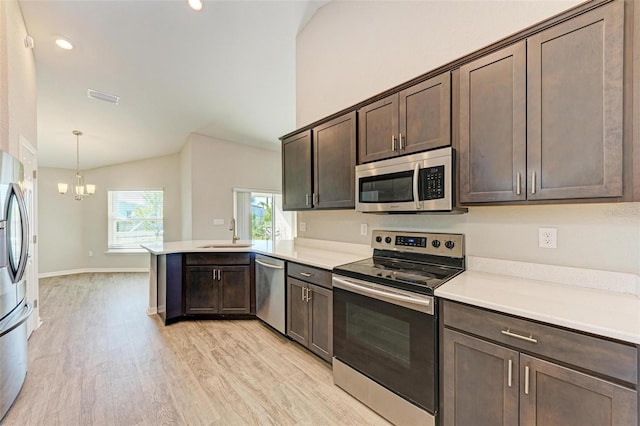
(112, 247)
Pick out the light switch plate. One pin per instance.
(363, 229)
(303, 227)
(218, 221)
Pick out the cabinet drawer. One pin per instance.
(613, 359)
(310, 274)
(217, 258)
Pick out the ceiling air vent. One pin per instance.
(102, 96)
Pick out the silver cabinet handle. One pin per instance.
(533, 182)
(510, 373)
(315, 198)
(509, 333)
(303, 289)
(308, 297)
(306, 274)
(393, 142)
(219, 274)
(268, 265)
(526, 380)
(306, 199)
(400, 146)
(518, 183)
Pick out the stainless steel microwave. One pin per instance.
(417, 183)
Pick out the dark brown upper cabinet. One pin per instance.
(334, 150)
(296, 172)
(326, 179)
(543, 121)
(493, 127)
(575, 107)
(415, 119)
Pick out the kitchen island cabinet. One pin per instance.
(218, 284)
(507, 370)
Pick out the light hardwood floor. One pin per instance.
(98, 359)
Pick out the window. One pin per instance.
(259, 216)
(135, 217)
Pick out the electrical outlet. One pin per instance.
(363, 229)
(90, 253)
(303, 227)
(547, 237)
(218, 222)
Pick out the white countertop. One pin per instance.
(594, 310)
(318, 253)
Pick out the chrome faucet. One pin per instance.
(234, 237)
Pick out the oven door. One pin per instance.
(389, 336)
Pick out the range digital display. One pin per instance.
(406, 241)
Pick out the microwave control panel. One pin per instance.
(432, 183)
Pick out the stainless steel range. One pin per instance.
(385, 323)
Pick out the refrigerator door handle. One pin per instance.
(26, 313)
(15, 196)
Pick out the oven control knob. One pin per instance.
(449, 244)
(378, 239)
(435, 243)
(387, 240)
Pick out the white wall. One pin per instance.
(185, 182)
(69, 229)
(350, 51)
(60, 237)
(218, 166)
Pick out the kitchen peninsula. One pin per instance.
(167, 258)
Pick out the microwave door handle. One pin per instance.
(416, 177)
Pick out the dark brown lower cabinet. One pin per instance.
(486, 383)
(310, 316)
(217, 284)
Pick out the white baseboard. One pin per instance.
(89, 271)
(152, 311)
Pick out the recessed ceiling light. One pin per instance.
(64, 44)
(195, 4)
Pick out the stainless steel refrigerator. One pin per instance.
(14, 309)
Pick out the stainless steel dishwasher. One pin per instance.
(270, 294)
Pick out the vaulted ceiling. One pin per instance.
(227, 72)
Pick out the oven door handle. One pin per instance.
(417, 303)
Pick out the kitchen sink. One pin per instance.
(226, 245)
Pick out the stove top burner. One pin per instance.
(405, 268)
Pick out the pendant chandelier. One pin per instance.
(79, 187)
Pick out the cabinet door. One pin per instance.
(480, 382)
(425, 115)
(297, 311)
(201, 290)
(378, 130)
(334, 151)
(493, 116)
(235, 289)
(574, 107)
(321, 321)
(560, 396)
(296, 172)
